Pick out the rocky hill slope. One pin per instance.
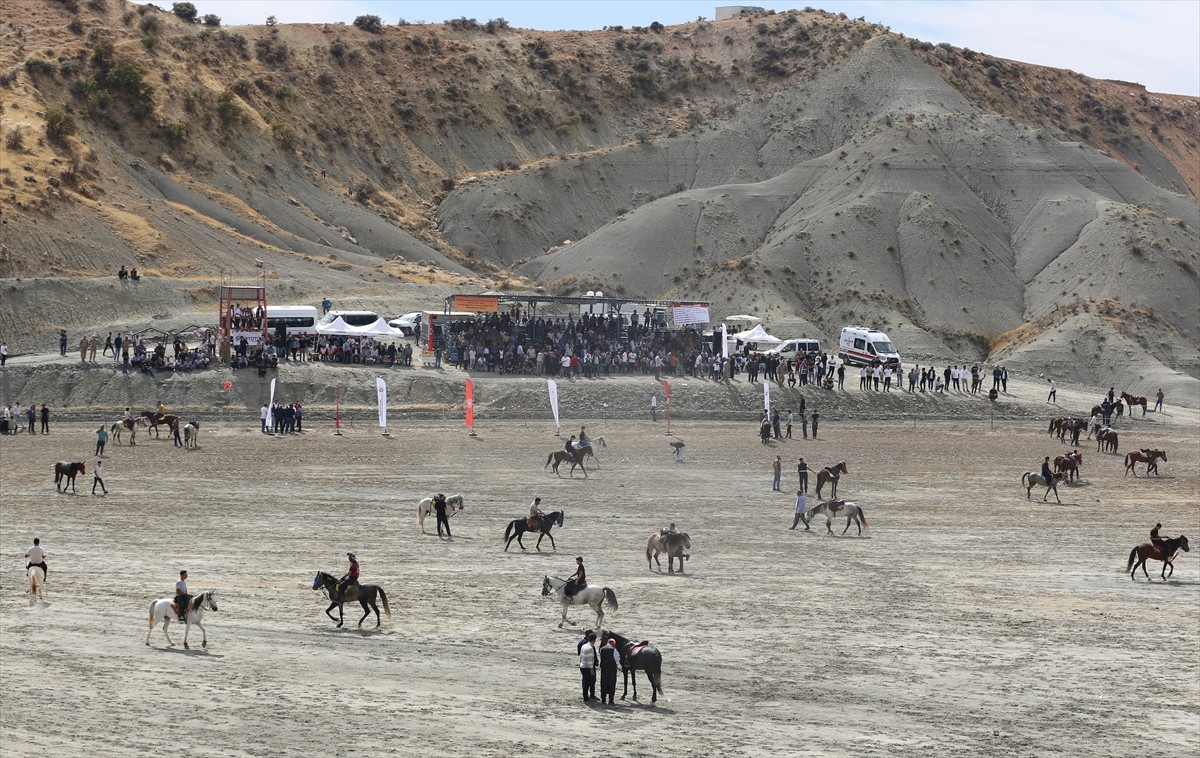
(812, 168)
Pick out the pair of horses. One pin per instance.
(163, 611)
(831, 474)
(1165, 552)
(454, 504)
(1064, 426)
(65, 473)
(1031, 479)
(1148, 457)
(1069, 463)
(545, 522)
(366, 595)
(671, 543)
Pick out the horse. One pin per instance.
(131, 424)
(454, 504)
(562, 456)
(1070, 463)
(153, 420)
(830, 474)
(1148, 550)
(37, 578)
(637, 656)
(835, 507)
(673, 544)
(1073, 426)
(1116, 408)
(590, 449)
(161, 610)
(519, 526)
(1031, 478)
(592, 596)
(1106, 438)
(64, 474)
(364, 593)
(1059, 425)
(1144, 456)
(1132, 400)
(191, 434)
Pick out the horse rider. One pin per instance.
(570, 446)
(669, 529)
(349, 578)
(1158, 542)
(36, 557)
(127, 417)
(1112, 397)
(576, 581)
(584, 441)
(1046, 472)
(162, 411)
(182, 599)
(535, 513)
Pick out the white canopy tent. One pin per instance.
(336, 328)
(339, 328)
(380, 328)
(758, 335)
(742, 317)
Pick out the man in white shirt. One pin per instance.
(36, 556)
(587, 667)
(182, 598)
(654, 407)
(263, 413)
(98, 478)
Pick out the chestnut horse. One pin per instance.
(1149, 551)
(1144, 456)
(830, 474)
(64, 474)
(1116, 408)
(1132, 400)
(153, 420)
(1105, 438)
(1069, 463)
(559, 457)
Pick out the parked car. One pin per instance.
(408, 323)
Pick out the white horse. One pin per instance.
(160, 610)
(454, 503)
(592, 596)
(1031, 479)
(132, 425)
(37, 578)
(853, 513)
(590, 446)
(191, 434)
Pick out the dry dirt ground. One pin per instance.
(967, 620)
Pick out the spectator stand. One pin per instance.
(235, 302)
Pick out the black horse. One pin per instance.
(637, 656)
(64, 474)
(363, 593)
(519, 526)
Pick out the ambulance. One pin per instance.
(861, 346)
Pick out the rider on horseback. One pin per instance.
(36, 556)
(1046, 475)
(535, 513)
(570, 446)
(1158, 542)
(182, 599)
(576, 581)
(162, 411)
(584, 441)
(662, 533)
(349, 578)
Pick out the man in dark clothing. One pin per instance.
(802, 469)
(1049, 477)
(45, 419)
(610, 660)
(1157, 541)
(815, 420)
(439, 507)
(175, 433)
(576, 581)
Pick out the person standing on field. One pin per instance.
(1053, 396)
(801, 511)
(777, 468)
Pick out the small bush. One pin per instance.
(212, 19)
(39, 66)
(75, 27)
(228, 111)
(372, 24)
(59, 125)
(150, 41)
(656, 27)
(185, 11)
(150, 24)
(462, 24)
(175, 134)
(8, 77)
(365, 191)
(15, 139)
(98, 5)
(496, 25)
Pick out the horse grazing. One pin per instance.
(639, 656)
(64, 474)
(1069, 463)
(558, 457)
(673, 544)
(1105, 438)
(592, 596)
(1147, 457)
(454, 504)
(1030, 479)
(365, 594)
(37, 578)
(191, 434)
(852, 511)
(1149, 551)
(830, 474)
(519, 526)
(161, 610)
(153, 420)
(130, 424)
(1132, 400)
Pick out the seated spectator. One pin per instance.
(123, 274)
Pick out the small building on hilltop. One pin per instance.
(734, 11)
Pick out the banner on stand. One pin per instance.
(552, 386)
(381, 391)
(470, 403)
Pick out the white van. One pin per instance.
(789, 349)
(860, 346)
(295, 319)
(352, 318)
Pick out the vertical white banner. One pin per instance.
(724, 341)
(381, 391)
(271, 409)
(552, 386)
(766, 395)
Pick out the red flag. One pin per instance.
(470, 405)
(228, 384)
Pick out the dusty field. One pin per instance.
(967, 621)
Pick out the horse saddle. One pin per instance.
(634, 649)
(837, 505)
(532, 523)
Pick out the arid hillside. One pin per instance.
(809, 167)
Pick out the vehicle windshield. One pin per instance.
(884, 347)
(328, 318)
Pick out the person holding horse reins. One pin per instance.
(350, 577)
(36, 557)
(535, 513)
(1155, 540)
(162, 411)
(584, 441)
(576, 581)
(439, 507)
(182, 599)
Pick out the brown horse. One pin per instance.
(1116, 408)
(1069, 463)
(1149, 551)
(1147, 457)
(64, 474)
(1058, 425)
(559, 457)
(1105, 438)
(830, 474)
(1132, 400)
(153, 420)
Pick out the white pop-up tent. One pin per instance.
(336, 328)
(758, 335)
(380, 328)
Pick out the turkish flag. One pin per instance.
(470, 405)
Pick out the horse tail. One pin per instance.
(508, 531)
(611, 598)
(150, 616)
(1132, 558)
(1025, 479)
(1116, 442)
(1127, 457)
(383, 597)
(863, 516)
(548, 459)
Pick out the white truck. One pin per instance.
(861, 346)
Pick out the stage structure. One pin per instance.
(251, 298)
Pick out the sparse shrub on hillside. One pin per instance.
(98, 5)
(271, 51)
(175, 134)
(656, 27)
(378, 44)
(462, 24)
(284, 135)
(15, 139)
(212, 19)
(150, 24)
(365, 191)
(38, 66)
(150, 41)
(70, 67)
(8, 77)
(272, 21)
(185, 11)
(372, 24)
(228, 111)
(70, 5)
(326, 81)
(338, 49)
(75, 27)
(287, 93)
(59, 125)
(496, 25)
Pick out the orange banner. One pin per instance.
(477, 303)
(470, 405)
